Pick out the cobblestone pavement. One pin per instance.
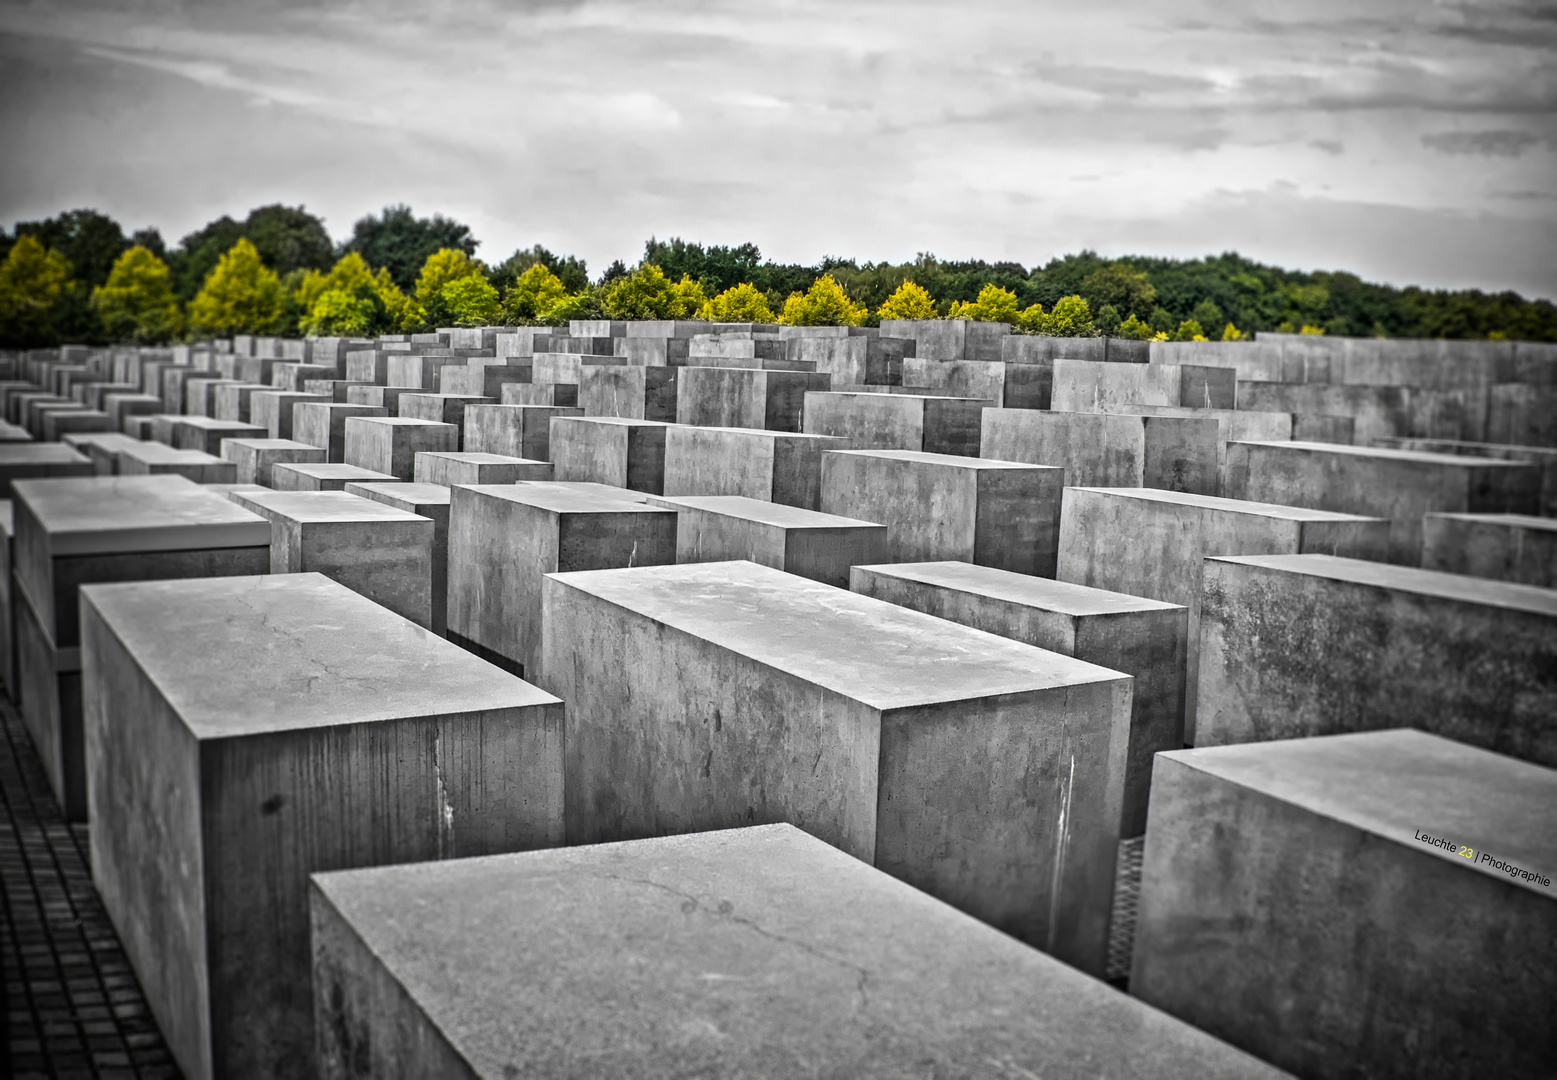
(1127, 895)
(72, 1005)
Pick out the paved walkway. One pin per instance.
(72, 1005)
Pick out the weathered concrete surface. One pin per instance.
(125, 407)
(102, 447)
(1151, 543)
(253, 458)
(1293, 903)
(822, 547)
(1300, 645)
(389, 444)
(877, 360)
(1146, 639)
(384, 397)
(522, 431)
(1401, 485)
(745, 398)
(610, 450)
(807, 944)
(1177, 453)
(57, 423)
(1011, 386)
(484, 379)
(1092, 386)
(1542, 458)
(776, 466)
(1377, 410)
(323, 424)
(416, 369)
(560, 395)
(1522, 415)
(7, 602)
(477, 468)
(206, 434)
(73, 532)
(933, 425)
(430, 501)
(651, 351)
(349, 738)
(379, 551)
(232, 400)
(984, 771)
(1504, 547)
(442, 408)
(950, 339)
(636, 392)
(322, 476)
(273, 410)
(155, 459)
(504, 538)
(337, 390)
(941, 506)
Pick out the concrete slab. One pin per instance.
(632, 391)
(504, 538)
(533, 393)
(57, 423)
(934, 425)
(1109, 449)
(822, 547)
(384, 397)
(234, 400)
(415, 370)
(745, 398)
(781, 951)
(379, 551)
(610, 450)
(430, 501)
(1397, 645)
(350, 738)
(1543, 458)
(443, 408)
(273, 410)
(206, 434)
(1146, 639)
(477, 468)
(775, 466)
(74, 532)
(1170, 533)
(156, 459)
(323, 424)
(322, 476)
(10, 432)
(1401, 485)
(102, 447)
(253, 458)
(1338, 906)
(522, 431)
(484, 379)
(291, 376)
(1378, 411)
(877, 361)
(389, 444)
(942, 506)
(335, 389)
(719, 694)
(1503, 547)
(1092, 384)
(7, 606)
(25, 461)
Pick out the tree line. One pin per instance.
(79, 277)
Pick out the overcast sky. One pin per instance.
(1407, 140)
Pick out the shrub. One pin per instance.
(240, 296)
(1071, 317)
(532, 293)
(1231, 333)
(823, 304)
(910, 301)
(643, 294)
(689, 297)
(471, 301)
(1189, 330)
(136, 303)
(994, 304)
(744, 303)
(1134, 330)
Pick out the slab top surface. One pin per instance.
(756, 952)
(407, 496)
(950, 461)
(333, 470)
(1229, 506)
(112, 441)
(1410, 579)
(767, 513)
(1045, 594)
(112, 514)
(1425, 457)
(1398, 783)
(614, 421)
(295, 651)
(478, 457)
(274, 444)
(209, 423)
(40, 453)
(1512, 521)
(321, 506)
(569, 498)
(763, 433)
(396, 421)
(890, 395)
(861, 648)
(156, 453)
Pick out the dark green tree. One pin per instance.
(401, 242)
(199, 252)
(570, 270)
(289, 238)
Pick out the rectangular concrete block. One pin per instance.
(206, 434)
(933, 425)
(1503, 547)
(1151, 543)
(1377, 411)
(1146, 639)
(610, 450)
(349, 738)
(522, 431)
(1522, 415)
(334, 389)
(13, 689)
(719, 694)
(1401, 485)
(635, 392)
(822, 547)
(233, 400)
(389, 444)
(480, 380)
(415, 369)
(504, 538)
(57, 423)
(102, 447)
(807, 943)
(430, 501)
(941, 506)
(477, 468)
(156, 459)
(322, 476)
(1396, 646)
(323, 424)
(441, 408)
(273, 410)
(384, 397)
(535, 393)
(379, 551)
(775, 466)
(1087, 385)
(1354, 905)
(75, 532)
(253, 458)
(745, 398)
(1110, 449)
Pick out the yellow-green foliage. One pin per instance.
(532, 293)
(742, 304)
(1231, 333)
(690, 297)
(647, 293)
(994, 304)
(352, 301)
(471, 301)
(910, 301)
(442, 267)
(34, 284)
(1134, 329)
(136, 303)
(823, 304)
(240, 296)
(1314, 331)
(1189, 330)
(1071, 317)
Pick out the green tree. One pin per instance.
(909, 301)
(994, 304)
(289, 238)
(823, 304)
(136, 303)
(572, 272)
(343, 313)
(1206, 313)
(1133, 329)
(1107, 321)
(743, 303)
(690, 297)
(35, 287)
(1127, 289)
(646, 293)
(1188, 330)
(241, 296)
(532, 292)
(401, 242)
(1071, 317)
(1231, 333)
(471, 301)
(439, 269)
(585, 304)
(90, 241)
(1162, 321)
(199, 252)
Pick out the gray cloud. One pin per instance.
(1483, 143)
